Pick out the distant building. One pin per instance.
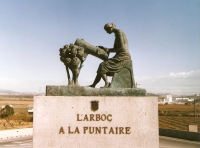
(185, 98)
(30, 109)
(191, 99)
(169, 98)
(182, 99)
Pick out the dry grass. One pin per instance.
(21, 118)
(13, 124)
(16, 121)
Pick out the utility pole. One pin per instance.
(137, 84)
(194, 111)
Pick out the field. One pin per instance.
(21, 118)
(178, 117)
(170, 116)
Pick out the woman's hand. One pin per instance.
(101, 47)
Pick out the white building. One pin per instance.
(169, 98)
(30, 109)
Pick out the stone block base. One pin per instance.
(95, 121)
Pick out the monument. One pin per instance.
(117, 115)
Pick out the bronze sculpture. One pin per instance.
(74, 55)
(119, 67)
(115, 64)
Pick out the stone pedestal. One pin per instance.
(95, 121)
(88, 91)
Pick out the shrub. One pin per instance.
(7, 111)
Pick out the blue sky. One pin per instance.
(163, 36)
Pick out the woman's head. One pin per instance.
(109, 27)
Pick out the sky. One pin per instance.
(163, 36)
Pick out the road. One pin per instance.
(165, 142)
(22, 142)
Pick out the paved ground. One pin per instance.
(16, 138)
(165, 142)
(22, 142)
(15, 133)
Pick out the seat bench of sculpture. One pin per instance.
(124, 78)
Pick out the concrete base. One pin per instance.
(116, 122)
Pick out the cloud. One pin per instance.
(187, 83)
(6, 82)
(175, 83)
(37, 86)
(191, 74)
(20, 85)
